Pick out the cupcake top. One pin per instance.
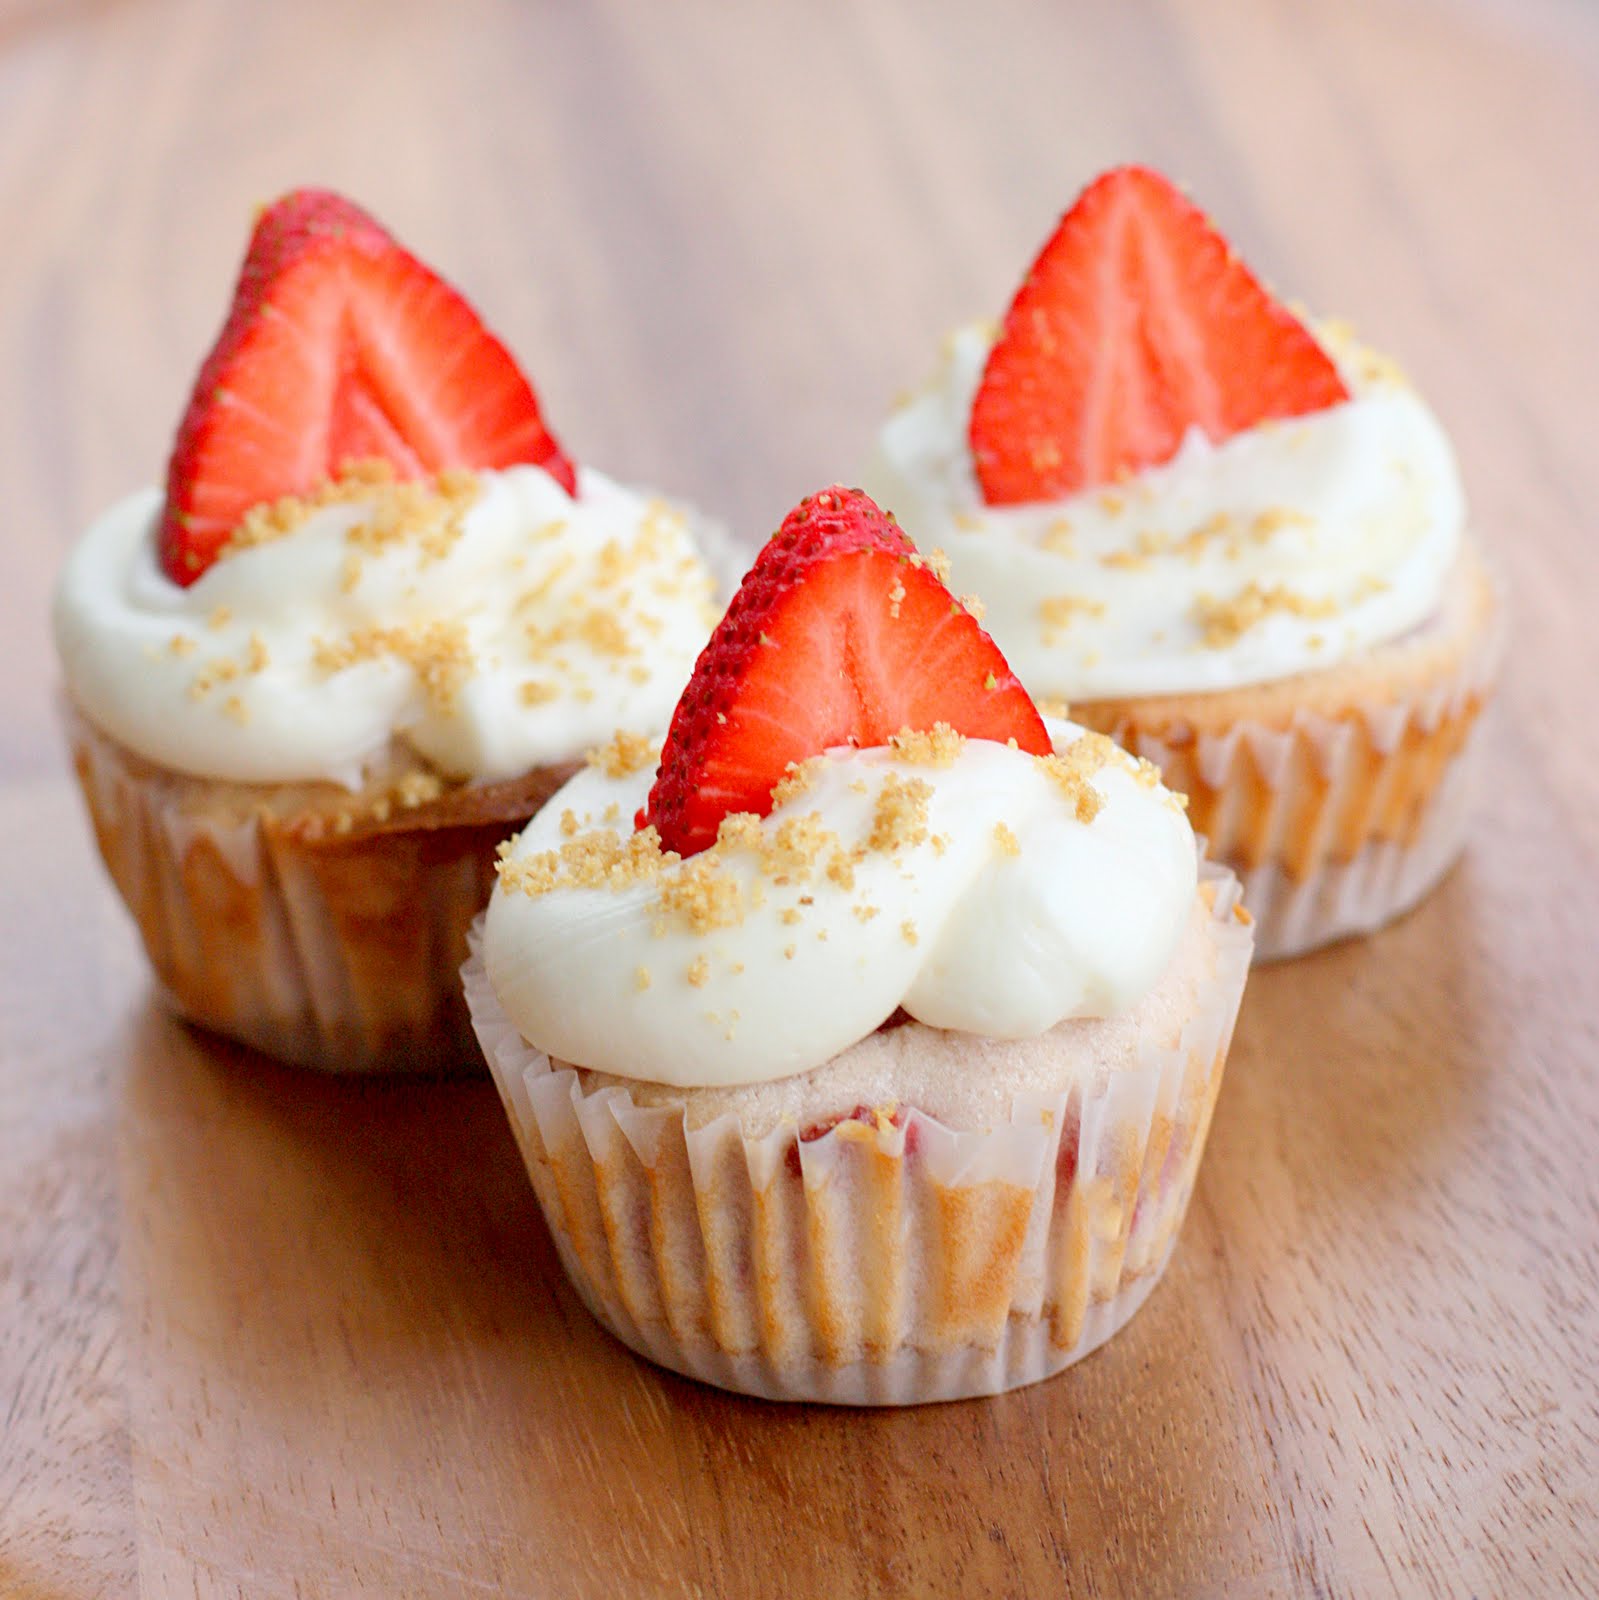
(1159, 481)
(368, 538)
(857, 811)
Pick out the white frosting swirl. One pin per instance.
(519, 635)
(974, 894)
(1289, 547)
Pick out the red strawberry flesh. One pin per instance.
(1136, 323)
(839, 635)
(339, 346)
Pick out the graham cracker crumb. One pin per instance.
(641, 978)
(938, 746)
(799, 777)
(533, 693)
(976, 606)
(438, 652)
(895, 596)
(703, 895)
(1061, 610)
(1058, 537)
(699, 972)
(1005, 838)
(428, 512)
(900, 815)
(907, 931)
(1226, 621)
(220, 617)
(599, 859)
(625, 754)
(235, 709)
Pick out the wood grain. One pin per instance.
(263, 1335)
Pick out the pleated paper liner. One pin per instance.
(1337, 815)
(262, 921)
(891, 1260)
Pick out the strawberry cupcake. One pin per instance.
(1235, 544)
(863, 1048)
(375, 618)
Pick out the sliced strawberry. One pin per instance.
(1135, 324)
(340, 345)
(839, 635)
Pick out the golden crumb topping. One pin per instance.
(938, 746)
(1005, 840)
(703, 894)
(437, 652)
(624, 754)
(600, 859)
(426, 512)
(1224, 622)
(1061, 610)
(900, 814)
(799, 777)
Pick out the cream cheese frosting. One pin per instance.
(1290, 547)
(488, 621)
(980, 888)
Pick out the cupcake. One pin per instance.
(374, 620)
(861, 1048)
(1236, 545)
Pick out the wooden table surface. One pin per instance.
(264, 1335)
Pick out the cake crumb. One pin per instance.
(907, 931)
(533, 693)
(699, 972)
(641, 978)
(418, 789)
(1005, 838)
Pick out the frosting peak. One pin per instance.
(1290, 547)
(980, 888)
(489, 621)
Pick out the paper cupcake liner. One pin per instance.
(1336, 823)
(888, 1261)
(334, 953)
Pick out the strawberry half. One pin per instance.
(839, 635)
(1136, 323)
(339, 346)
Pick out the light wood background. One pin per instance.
(263, 1335)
